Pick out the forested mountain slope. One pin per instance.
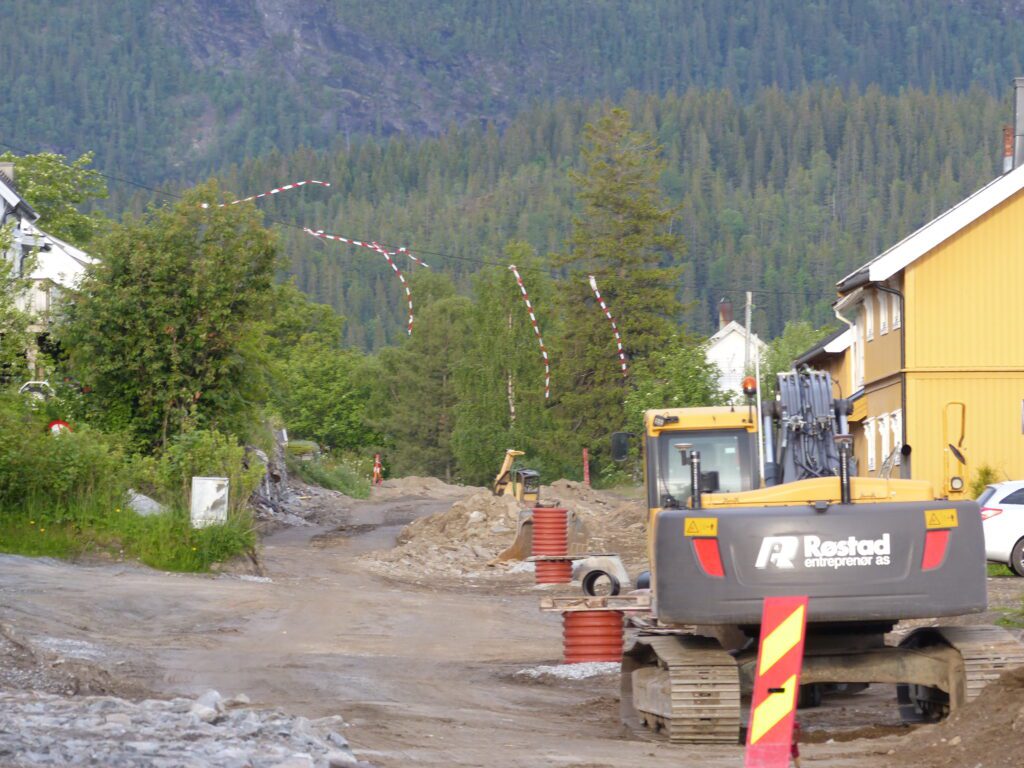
(175, 88)
(783, 195)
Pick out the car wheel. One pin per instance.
(1017, 558)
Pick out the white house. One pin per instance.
(47, 263)
(727, 349)
(57, 266)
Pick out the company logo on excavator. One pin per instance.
(777, 550)
(781, 551)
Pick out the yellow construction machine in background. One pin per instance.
(512, 480)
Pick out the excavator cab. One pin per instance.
(526, 485)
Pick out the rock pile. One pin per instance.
(38, 729)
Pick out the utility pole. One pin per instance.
(746, 346)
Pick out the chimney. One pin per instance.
(7, 169)
(1007, 148)
(1018, 122)
(724, 313)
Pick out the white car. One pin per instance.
(1002, 516)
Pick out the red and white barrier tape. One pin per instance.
(405, 284)
(416, 259)
(320, 233)
(615, 328)
(536, 331)
(274, 191)
(373, 247)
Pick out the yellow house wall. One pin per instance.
(963, 299)
(882, 354)
(993, 433)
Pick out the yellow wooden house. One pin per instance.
(932, 346)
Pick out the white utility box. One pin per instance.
(209, 501)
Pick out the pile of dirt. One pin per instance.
(461, 543)
(986, 733)
(424, 487)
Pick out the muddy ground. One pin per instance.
(426, 674)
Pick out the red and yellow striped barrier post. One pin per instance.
(779, 658)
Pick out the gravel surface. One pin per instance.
(39, 729)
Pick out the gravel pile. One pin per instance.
(38, 729)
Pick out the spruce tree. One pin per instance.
(623, 236)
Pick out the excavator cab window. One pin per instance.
(726, 462)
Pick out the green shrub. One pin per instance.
(63, 495)
(300, 448)
(56, 475)
(985, 475)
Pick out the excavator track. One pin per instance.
(683, 685)
(986, 652)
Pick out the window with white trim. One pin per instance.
(857, 359)
(869, 318)
(896, 424)
(897, 317)
(883, 434)
(883, 313)
(869, 441)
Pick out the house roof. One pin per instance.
(10, 195)
(734, 327)
(51, 243)
(838, 342)
(938, 230)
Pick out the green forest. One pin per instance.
(782, 196)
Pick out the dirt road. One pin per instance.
(423, 677)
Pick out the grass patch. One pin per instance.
(998, 569)
(166, 541)
(336, 474)
(24, 535)
(1012, 618)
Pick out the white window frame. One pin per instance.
(883, 313)
(897, 318)
(857, 366)
(883, 434)
(869, 442)
(896, 424)
(869, 317)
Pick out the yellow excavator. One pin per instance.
(868, 552)
(512, 480)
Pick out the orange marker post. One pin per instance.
(779, 659)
